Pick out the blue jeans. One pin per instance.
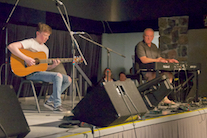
(59, 84)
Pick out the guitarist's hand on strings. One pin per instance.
(29, 61)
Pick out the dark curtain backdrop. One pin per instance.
(60, 46)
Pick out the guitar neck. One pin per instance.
(63, 60)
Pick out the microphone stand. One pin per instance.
(74, 43)
(107, 49)
(6, 42)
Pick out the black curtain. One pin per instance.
(60, 46)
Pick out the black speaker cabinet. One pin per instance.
(110, 104)
(12, 119)
(155, 90)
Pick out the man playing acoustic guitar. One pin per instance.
(60, 81)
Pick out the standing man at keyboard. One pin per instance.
(147, 52)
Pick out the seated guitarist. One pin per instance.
(60, 81)
(147, 52)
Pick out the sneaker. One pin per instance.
(58, 109)
(49, 105)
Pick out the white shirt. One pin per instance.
(32, 45)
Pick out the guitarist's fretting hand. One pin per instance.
(54, 64)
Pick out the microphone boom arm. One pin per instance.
(108, 49)
(73, 39)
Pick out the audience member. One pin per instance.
(107, 76)
(122, 76)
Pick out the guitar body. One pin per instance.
(20, 69)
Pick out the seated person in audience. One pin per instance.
(122, 76)
(107, 76)
(147, 52)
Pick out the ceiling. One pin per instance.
(119, 10)
(104, 16)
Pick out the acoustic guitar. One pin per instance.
(20, 68)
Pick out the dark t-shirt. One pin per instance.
(142, 49)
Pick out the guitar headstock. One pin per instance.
(77, 59)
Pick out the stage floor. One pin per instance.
(46, 124)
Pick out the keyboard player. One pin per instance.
(147, 52)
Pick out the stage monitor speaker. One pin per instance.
(110, 104)
(154, 91)
(12, 119)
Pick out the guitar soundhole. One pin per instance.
(37, 61)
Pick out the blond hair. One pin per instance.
(42, 27)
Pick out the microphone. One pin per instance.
(58, 2)
(72, 33)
